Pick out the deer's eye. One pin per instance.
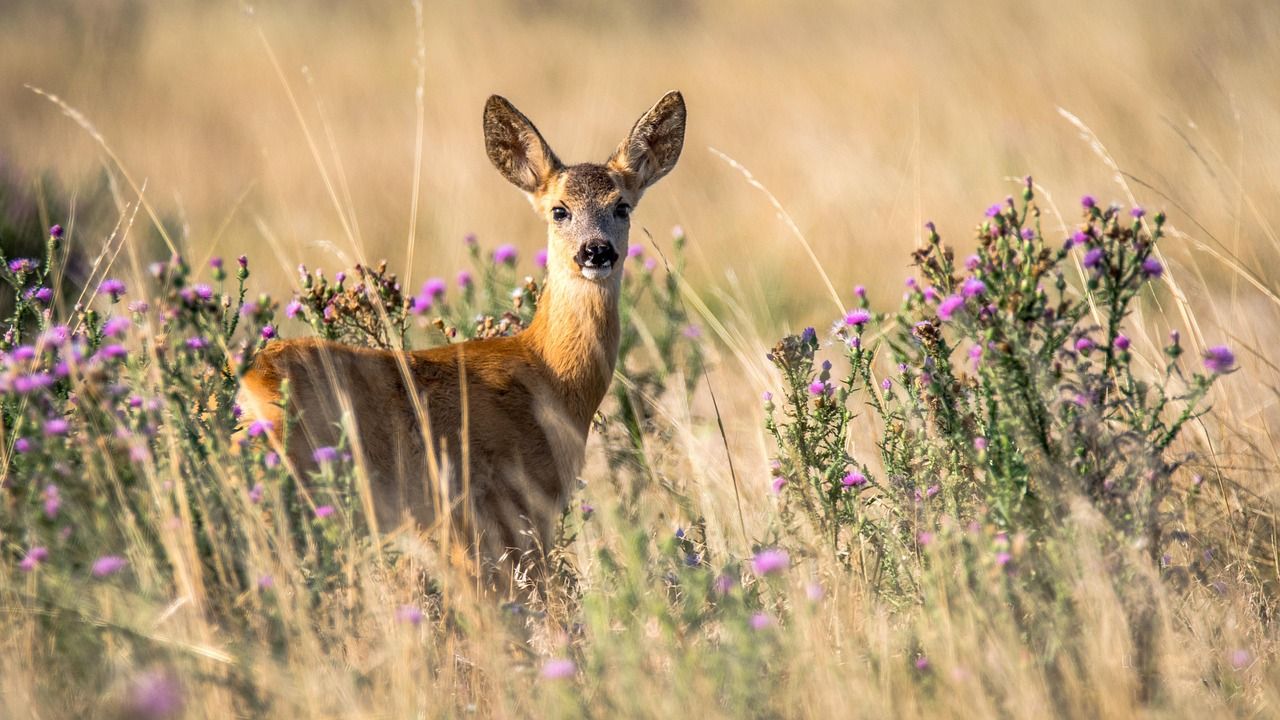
(559, 214)
(622, 211)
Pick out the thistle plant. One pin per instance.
(1011, 389)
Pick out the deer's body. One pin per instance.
(506, 419)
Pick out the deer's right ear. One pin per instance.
(516, 147)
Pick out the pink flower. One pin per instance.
(770, 561)
(558, 669)
(760, 621)
(410, 614)
(108, 565)
(778, 483)
(35, 556)
(854, 479)
(324, 511)
(949, 306)
(857, 317)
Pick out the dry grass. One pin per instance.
(864, 120)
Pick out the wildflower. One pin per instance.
(972, 287)
(1137, 213)
(760, 621)
(587, 510)
(1003, 558)
(778, 483)
(818, 388)
(1239, 658)
(260, 427)
(325, 454)
(809, 335)
(197, 343)
(242, 261)
(948, 307)
(469, 239)
(723, 584)
(18, 266)
(271, 459)
(860, 291)
(21, 445)
(505, 255)
(464, 279)
(35, 556)
(972, 262)
(203, 292)
(767, 396)
(138, 306)
(1088, 202)
(1152, 268)
(324, 511)
(980, 444)
(770, 561)
(410, 614)
(56, 426)
(418, 305)
(112, 287)
(43, 295)
(434, 287)
(56, 336)
(691, 331)
(975, 355)
(155, 695)
(854, 479)
(1084, 345)
(650, 264)
(886, 384)
(1219, 359)
(116, 326)
(268, 332)
(558, 669)
(1122, 343)
(1028, 234)
(1077, 238)
(994, 211)
(1093, 258)
(292, 309)
(114, 351)
(340, 278)
(922, 663)
(932, 490)
(924, 537)
(266, 582)
(857, 317)
(55, 232)
(108, 565)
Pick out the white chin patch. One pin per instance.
(597, 273)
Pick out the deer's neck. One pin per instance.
(576, 332)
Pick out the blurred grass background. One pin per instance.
(864, 118)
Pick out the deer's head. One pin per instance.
(588, 206)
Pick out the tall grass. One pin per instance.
(987, 503)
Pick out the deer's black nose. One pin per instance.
(596, 253)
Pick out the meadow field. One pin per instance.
(944, 387)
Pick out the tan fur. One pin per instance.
(529, 399)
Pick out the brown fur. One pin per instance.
(506, 419)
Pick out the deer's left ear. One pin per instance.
(652, 148)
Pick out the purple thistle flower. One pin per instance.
(114, 288)
(266, 582)
(635, 251)
(1003, 558)
(434, 288)
(116, 326)
(854, 479)
(268, 332)
(21, 445)
(1152, 268)
(469, 239)
(540, 258)
(760, 621)
(886, 384)
(108, 565)
(243, 261)
(197, 343)
(1093, 258)
(292, 309)
(860, 291)
(818, 388)
(723, 584)
(325, 454)
(948, 307)
(22, 265)
(972, 262)
(924, 537)
(340, 277)
(809, 335)
(215, 263)
(650, 264)
(324, 511)
(464, 279)
(922, 663)
(155, 695)
(1219, 359)
(1137, 213)
(34, 557)
(56, 232)
(255, 493)
(558, 669)
(770, 561)
(980, 444)
(420, 304)
(1084, 345)
(691, 331)
(994, 210)
(1122, 343)
(43, 295)
(932, 490)
(1239, 659)
(112, 352)
(56, 426)
(410, 614)
(505, 255)
(1028, 234)
(857, 317)
(1088, 202)
(260, 427)
(202, 291)
(1078, 238)
(52, 501)
(778, 483)
(972, 287)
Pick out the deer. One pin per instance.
(487, 435)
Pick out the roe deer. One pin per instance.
(506, 418)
